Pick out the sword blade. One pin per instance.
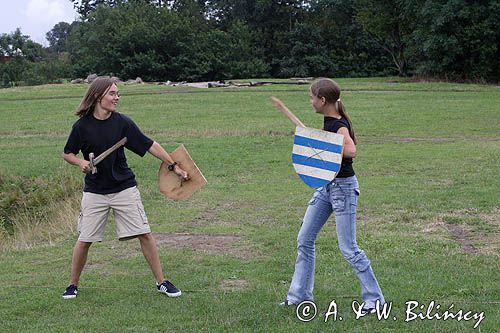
(108, 151)
(283, 109)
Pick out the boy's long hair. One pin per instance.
(97, 89)
(330, 90)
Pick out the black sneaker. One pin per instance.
(166, 287)
(70, 292)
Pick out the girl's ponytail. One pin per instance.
(342, 111)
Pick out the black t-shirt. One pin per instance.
(91, 135)
(333, 125)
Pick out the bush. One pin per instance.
(21, 196)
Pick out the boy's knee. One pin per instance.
(84, 245)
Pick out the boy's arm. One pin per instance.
(74, 160)
(157, 151)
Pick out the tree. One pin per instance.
(170, 43)
(268, 20)
(57, 36)
(307, 54)
(350, 50)
(146, 43)
(17, 52)
(85, 7)
(457, 39)
(389, 24)
(223, 39)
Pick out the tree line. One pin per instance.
(193, 40)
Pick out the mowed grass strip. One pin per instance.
(427, 164)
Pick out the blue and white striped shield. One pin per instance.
(317, 155)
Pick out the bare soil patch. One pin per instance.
(389, 139)
(218, 214)
(476, 232)
(232, 284)
(462, 237)
(115, 251)
(200, 242)
(210, 215)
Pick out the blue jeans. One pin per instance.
(339, 196)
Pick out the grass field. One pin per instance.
(428, 218)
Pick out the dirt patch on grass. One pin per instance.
(427, 139)
(94, 266)
(20, 134)
(436, 139)
(233, 284)
(229, 214)
(388, 139)
(226, 133)
(209, 216)
(462, 237)
(476, 232)
(112, 251)
(201, 242)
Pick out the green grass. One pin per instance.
(427, 164)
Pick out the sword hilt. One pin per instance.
(92, 166)
(96, 160)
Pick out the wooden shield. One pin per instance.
(317, 155)
(173, 186)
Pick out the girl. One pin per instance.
(339, 196)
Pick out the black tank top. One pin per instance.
(333, 125)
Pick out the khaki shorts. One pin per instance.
(130, 217)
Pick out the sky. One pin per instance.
(35, 17)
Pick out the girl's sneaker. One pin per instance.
(368, 311)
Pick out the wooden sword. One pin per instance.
(96, 160)
(283, 109)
